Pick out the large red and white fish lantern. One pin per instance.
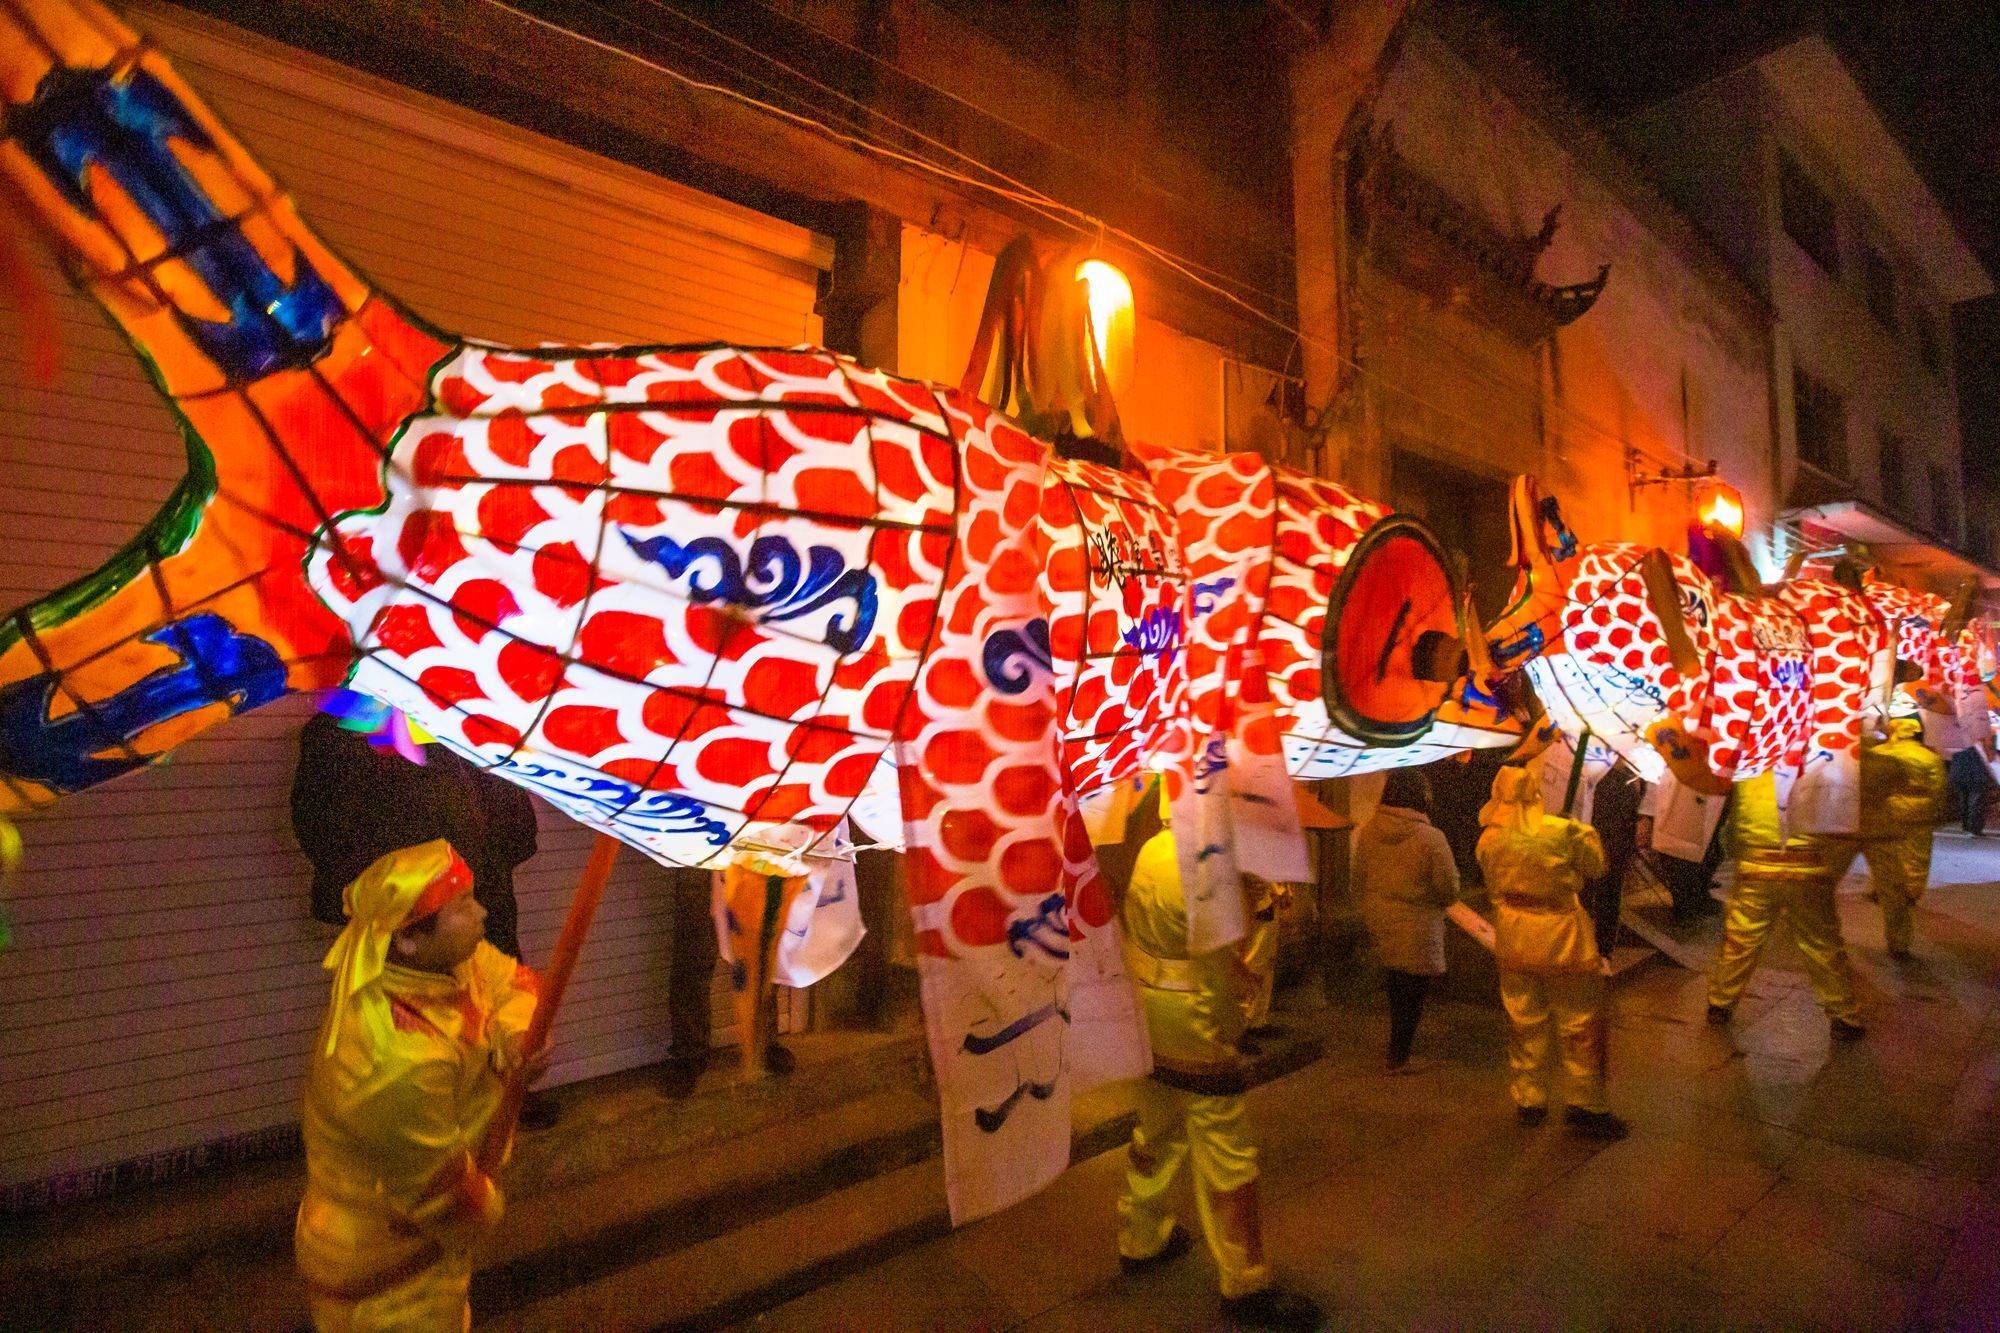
(712, 601)
(1720, 678)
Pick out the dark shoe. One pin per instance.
(678, 1077)
(1249, 1047)
(1531, 1116)
(1846, 1031)
(1176, 1246)
(1720, 1014)
(539, 1110)
(1267, 1031)
(1600, 1125)
(1273, 1307)
(778, 1060)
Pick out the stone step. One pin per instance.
(772, 1251)
(782, 1239)
(627, 1161)
(1629, 958)
(637, 1210)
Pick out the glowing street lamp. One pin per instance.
(1722, 508)
(1112, 321)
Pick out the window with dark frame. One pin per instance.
(1929, 348)
(1944, 508)
(1893, 467)
(1878, 281)
(1819, 420)
(1979, 535)
(1807, 214)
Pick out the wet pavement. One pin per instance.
(1773, 1180)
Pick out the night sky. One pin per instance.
(1931, 66)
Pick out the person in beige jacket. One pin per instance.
(1403, 878)
(1552, 979)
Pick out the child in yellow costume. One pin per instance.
(1552, 979)
(1903, 786)
(1779, 876)
(1192, 1106)
(425, 1022)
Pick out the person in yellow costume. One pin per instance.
(1780, 876)
(1903, 788)
(1192, 1107)
(1552, 979)
(426, 1021)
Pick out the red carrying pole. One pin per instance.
(555, 980)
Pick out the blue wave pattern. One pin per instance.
(1016, 658)
(608, 800)
(1155, 633)
(775, 579)
(1208, 595)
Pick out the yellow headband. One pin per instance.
(379, 902)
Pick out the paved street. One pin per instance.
(1771, 1181)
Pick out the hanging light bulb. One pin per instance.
(1112, 321)
(1722, 507)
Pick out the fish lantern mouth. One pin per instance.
(1392, 645)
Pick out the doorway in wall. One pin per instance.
(1467, 511)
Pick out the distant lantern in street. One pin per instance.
(1722, 507)
(1112, 320)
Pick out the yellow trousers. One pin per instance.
(434, 1301)
(1260, 960)
(1550, 1010)
(1806, 900)
(1215, 1131)
(1899, 870)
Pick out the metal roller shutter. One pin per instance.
(164, 985)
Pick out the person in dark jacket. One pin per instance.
(1971, 780)
(352, 803)
(1614, 813)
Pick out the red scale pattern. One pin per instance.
(515, 616)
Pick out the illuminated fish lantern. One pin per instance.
(1937, 655)
(1615, 638)
(1721, 678)
(708, 600)
(1641, 650)
(1851, 666)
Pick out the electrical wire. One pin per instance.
(1267, 246)
(1012, 189)
(1077, 220)
(1026, 191)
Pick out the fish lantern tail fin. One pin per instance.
(289, 375)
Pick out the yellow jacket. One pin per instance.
(1757, 840)
(1533, 876)
(1913, 779)
(391, 1128)
(1195, 1006)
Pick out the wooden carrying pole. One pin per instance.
(555, 980)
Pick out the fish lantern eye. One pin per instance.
(1722, 508)
(1112, 321)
